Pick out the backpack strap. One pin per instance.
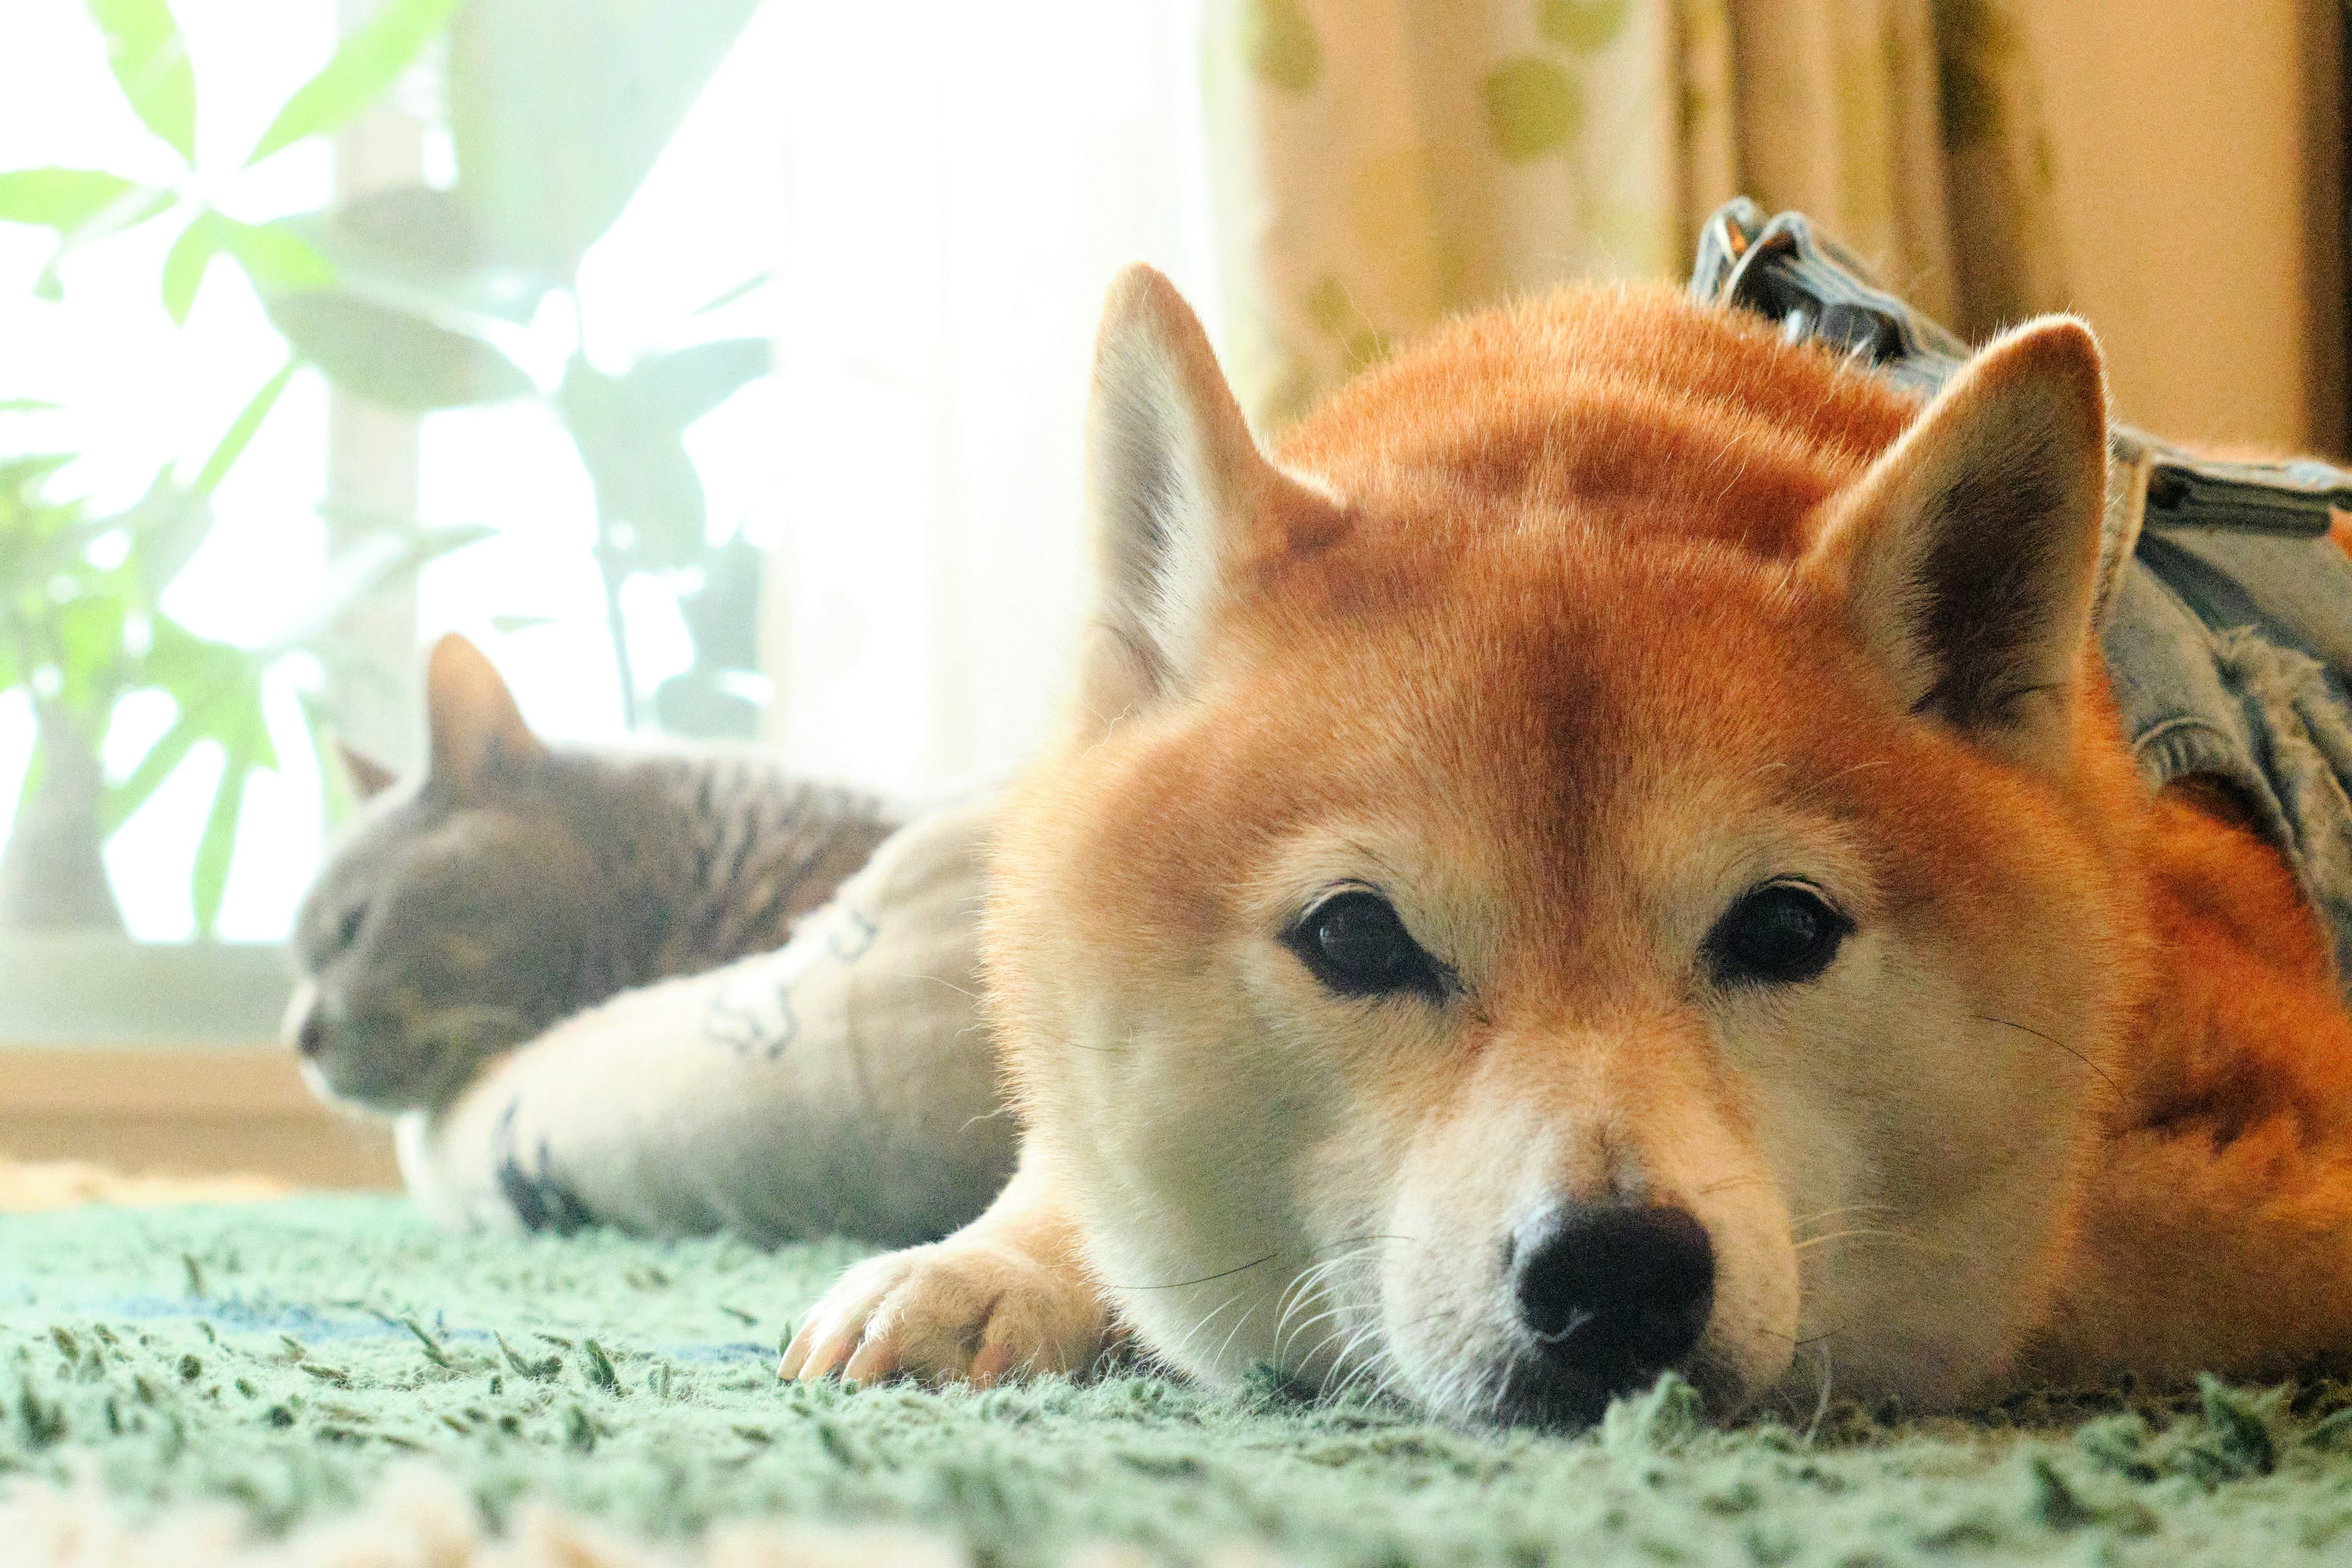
(1782, 268)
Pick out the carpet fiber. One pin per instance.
(282, 1356)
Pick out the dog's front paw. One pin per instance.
(957, 1310)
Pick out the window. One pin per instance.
(916, 209)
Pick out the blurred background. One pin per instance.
(719, 366)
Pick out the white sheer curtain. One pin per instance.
(962, 182)
(943, 190)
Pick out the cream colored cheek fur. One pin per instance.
(1921, 1154)
(1185, 1122)
(1269, 1210)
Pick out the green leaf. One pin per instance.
(682, 386)
(186, 262)
(276, 257)
(28, 405)
(72, 201)
(404, 322)
(363, 69)
(723, 615)
(151, 62)
(698, 703)
(414, 249)
(507, 625)
(83, 205)
(366, 567)
(166, 526)
(607, 82)
(216, 687)
(392, 358)
(40, 539)
(242, 430)
(170, 750)
(648, 496)
(87, 635)
(208, 882)
(19, 476)
(728, 296)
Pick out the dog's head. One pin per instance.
(1589, 860)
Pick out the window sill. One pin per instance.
(101, 988)
(165, 1059)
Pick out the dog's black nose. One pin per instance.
(1613, 1292)
(310, 1038)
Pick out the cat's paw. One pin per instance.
(954, 1311)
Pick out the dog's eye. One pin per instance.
(1780, 933)
(1355, 944)
(347, 931)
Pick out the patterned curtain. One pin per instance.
(1380, 164)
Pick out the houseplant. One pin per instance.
(415, 298)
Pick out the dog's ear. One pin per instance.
(1967, 553)
(1179, 496)
(476, 729)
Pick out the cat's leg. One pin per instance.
(843, 1085)
(1009, 1294)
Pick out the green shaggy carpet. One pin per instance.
(283, 1354)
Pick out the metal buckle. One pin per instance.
(1817, 290)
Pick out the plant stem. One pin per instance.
(608, 566)
(609, 563)
(53, 871)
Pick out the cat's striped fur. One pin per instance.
(517, 883)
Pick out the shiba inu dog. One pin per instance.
(1607, 850)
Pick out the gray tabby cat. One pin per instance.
(518, 883)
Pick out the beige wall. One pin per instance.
(2193, 148)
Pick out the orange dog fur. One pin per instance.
(1632, 660)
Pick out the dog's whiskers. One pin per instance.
(1281, 1359)
(1231, 1335)
(1344, 1332)
(1868, 1233)
(1822, 1410)
(2113, 1086)
(1343, 1366)
(1206, 1279)
(1347, 1355)
(1751, 1179)
(1202, 1324)
(1313, 1282)
(1820, 1215)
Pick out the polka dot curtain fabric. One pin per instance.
(1381, 163)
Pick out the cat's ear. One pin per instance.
(476, 729)
(1966, 555)
(1182, 500)
(367, 777)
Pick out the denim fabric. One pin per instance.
(2230, 648)
(2230, 654)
